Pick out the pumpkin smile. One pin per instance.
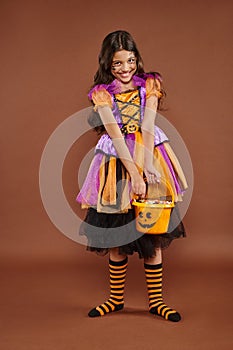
(147, 225)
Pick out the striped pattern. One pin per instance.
(117, 270)
(154, 276)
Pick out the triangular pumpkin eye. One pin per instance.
(148, 215)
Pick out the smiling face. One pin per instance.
(152, 219)
(146, 220)
(124, 66)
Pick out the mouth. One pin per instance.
(147, 225)
(125, 75)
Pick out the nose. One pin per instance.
(125, 67)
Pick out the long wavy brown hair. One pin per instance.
(113, 42)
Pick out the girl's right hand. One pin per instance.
(152, 175)
(138, 185)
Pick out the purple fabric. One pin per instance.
(143, 100)
(130, 141)
(105, 145)
(140, 80)
(89, 191)
(160, 136)
(115, 86)
(91, 184)
(167, 159)
(116, 113)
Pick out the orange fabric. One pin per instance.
(107, 197)
(133, 109)
(153, 87)
(101, 98)
(109, 192)
(162, 167)
(176, 165)
(139, 152)
(108, 185)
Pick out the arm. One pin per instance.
(113, 130)
(148, 138)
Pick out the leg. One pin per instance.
(154, 274)
(115, 256)
(117, 268)
(157, 259)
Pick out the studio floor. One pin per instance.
(44, 307)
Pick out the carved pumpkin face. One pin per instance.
(152, 219)
(131, 128)
(146, 219)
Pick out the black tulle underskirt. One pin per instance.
(105, 231)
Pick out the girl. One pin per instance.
(130, 149)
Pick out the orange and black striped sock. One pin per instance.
(154, 276)
(117, 271)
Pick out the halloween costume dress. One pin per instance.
(106, 192)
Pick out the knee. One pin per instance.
(156, 259)
(114, 254)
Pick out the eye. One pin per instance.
(148, 215)
(141, 214)
(132, 60)
(116, 64)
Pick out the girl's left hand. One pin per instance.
(152, 175)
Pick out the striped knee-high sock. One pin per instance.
(154, 276)
(117, 270)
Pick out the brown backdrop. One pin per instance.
(48, 59)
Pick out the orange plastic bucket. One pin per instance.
(153, 215)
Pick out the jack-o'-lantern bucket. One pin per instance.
(153, 215)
